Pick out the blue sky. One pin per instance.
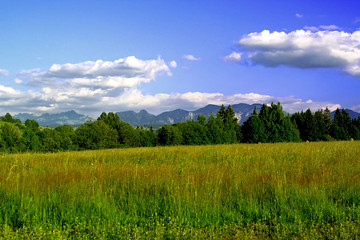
(94, 56)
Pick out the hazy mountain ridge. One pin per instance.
(55, 119)
(242, 112)
(352, 114)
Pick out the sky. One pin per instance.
(161, 55)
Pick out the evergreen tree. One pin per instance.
(327, 121)
(253, 129)
(320, 131)
(291, 133)
(278, 128)
(339, 127)
(201, 119)
(169, 135)
(230, 126)
(221, 114)
(214, 130)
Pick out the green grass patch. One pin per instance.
(287, 190)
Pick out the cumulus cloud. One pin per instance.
(233, 57)
(173, 64)
(305, 49)
(124, 72)
(81, 85)
(191, 57)
(4, 72)
(298, 15)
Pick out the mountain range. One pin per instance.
(143, 118)
(55, 119)
(242, 112)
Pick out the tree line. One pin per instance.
(269, 125)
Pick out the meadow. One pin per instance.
(240, 191)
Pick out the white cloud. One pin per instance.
(305, 49)
(93, 101)
(18, 81)
(4, 72)
(311, 28)
(233, 57)
(133, 99)
(94, 87)
(329, 27)
(298, 15)
(125, 72)
(191, 57)
(81, 86)
(356, 108)
(173, 64)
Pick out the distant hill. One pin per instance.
(351, 113)
(56, 119)
(242, 112)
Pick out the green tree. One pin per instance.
(230, 126)
(340, 125)
(8, 118)
(67, 134)
(221, 114)
(278, 128)
(113, 120)
(193, 133)
(214, 130)
(50, 140)
(201, 119)
(31, 140)
(11, 136)
(169, 135)
(32, 125)
(95, 135)
(147, 137)
(320, 131)
(328, 121)
(253, 129)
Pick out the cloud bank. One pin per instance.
(92, 87)
(305, 49)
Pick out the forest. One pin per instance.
(268, 125)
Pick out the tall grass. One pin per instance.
(287, 190)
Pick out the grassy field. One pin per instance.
(287, 190)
